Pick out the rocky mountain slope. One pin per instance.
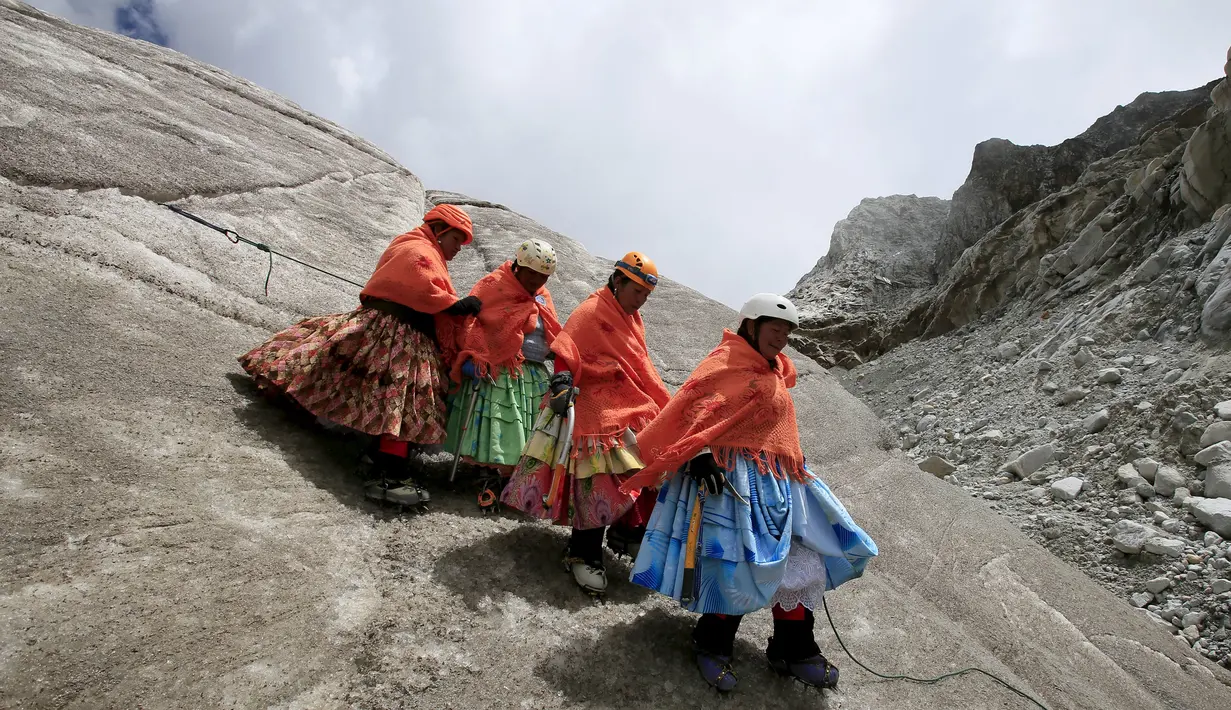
(1070, 366)
(1053, 227)
(879, 260)
(172, 540)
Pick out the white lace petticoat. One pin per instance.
(803, 581)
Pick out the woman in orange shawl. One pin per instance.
(500, 366)
(743, 523)
(378, 369)
(602, 353)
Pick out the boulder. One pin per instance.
(1167, 480)
(1164, 546)
(1147, 467)
(1130, 537)
(1150, 269)
(1213, 454)
(1128, 476)
(1008, 351)
(1109, 376)
(1096, 422)
(1218, 480)
(1031, 461)
(937, 466)
(1213, 513)
(1067, 488)
(1158, 584)
(1217, 432)
(1075, 394)
(1223, 410)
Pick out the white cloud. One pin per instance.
(722, 137)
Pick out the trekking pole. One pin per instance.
(457, 451)
(560, 470)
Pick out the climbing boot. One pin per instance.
(393, 485)
(590, 576)
(715, 669)
(792, 652)
(713, 644)
(815, 671)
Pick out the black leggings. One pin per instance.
(587, 545)
(793, 639)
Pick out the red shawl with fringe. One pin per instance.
(494, 339)
(734, 403)
(606, 351)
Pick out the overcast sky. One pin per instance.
(723, 139)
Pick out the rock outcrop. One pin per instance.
(1005, 177)
(880, 258)
(172, 540)
(1126, 213)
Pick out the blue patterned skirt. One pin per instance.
(794, 542)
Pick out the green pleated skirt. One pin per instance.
(503, 419)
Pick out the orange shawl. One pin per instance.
(412, 272)
(736, 404)
(606, 351)
(493, 339)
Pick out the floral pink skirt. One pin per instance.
(366, 370)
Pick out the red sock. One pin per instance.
(389, 445)
(796, 614)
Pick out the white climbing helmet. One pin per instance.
(538, 255)
(769, 305)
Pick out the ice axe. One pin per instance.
(560, 470)
(689, 582)
(457, 452)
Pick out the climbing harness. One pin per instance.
(235, 238)
(923, 681)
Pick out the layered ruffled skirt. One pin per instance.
(503, 416)
(794, 542)
(366, 370)
(590, 495)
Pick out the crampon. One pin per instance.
(490, 486)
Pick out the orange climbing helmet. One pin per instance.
(639, 268)
(454, 217)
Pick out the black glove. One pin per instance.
(468, 306)
(561, 388)
(704, 470)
